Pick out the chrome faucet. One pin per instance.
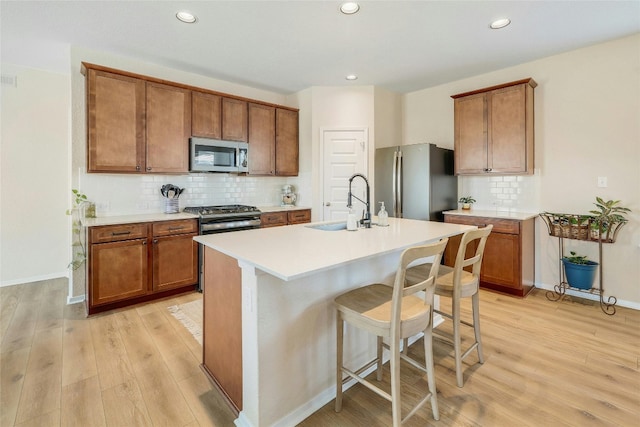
(366, 216)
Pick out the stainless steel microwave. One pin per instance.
(212, 155)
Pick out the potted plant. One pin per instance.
(580, 271)
(607, 219)
(467, 201)
(79, 202)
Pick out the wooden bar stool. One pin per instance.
(457, 283)
(394, 313)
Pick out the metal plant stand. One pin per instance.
(579, 227)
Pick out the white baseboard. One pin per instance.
(75, 300)
(592, 297)
(34, 279)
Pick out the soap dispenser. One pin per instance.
(352, 222)
(383, 216)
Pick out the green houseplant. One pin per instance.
(579, 270)
(466, 201)
(607, 219)
(79, 254)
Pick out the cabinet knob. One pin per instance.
(137, 167)
(328, 204)
(155, 241)
(144, 242)
(148, 168)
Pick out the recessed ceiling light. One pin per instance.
(349, 7)
(187, 17)
(351, 77)
(500, 23)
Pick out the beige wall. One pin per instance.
(34, 174)
(587, 113)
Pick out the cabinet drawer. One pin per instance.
(115, 233)
(273, 219)
(166, 228)
(299, 217)
(508, 226)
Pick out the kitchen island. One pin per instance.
(269, 322)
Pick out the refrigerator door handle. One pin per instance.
(394, 202)
(398, 188)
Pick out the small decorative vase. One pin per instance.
(466, 206)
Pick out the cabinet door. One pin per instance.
(234, 120)
(262, 139)
(175, 261)
(115, 123)
(206, 115)
(118, 271)
(507, 138)
(286, 142)
(501, 260)
(168, 128)
(470, 146)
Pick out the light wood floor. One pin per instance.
(546, 364)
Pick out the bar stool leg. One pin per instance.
(379, 369)
(394, 362)
(475, 301)
(339, 355)
(431, 379)
(456, 340)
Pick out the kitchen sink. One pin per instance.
(334, 226)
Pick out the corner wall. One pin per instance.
(34, 174)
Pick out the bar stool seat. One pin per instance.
(393, 313)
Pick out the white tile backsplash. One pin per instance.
(504, 193)
(138, 194)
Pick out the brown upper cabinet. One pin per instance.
(141, 124)
(262, 139)
(168, 128)
(116, 134)
(218, 117)
(234, 120)
(136, 126)
(287, 160)
(206, 115)
(273, 141)
(494, 130)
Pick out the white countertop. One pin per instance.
(127, 219)
(267, 209)
(294, 251)
(521, 216)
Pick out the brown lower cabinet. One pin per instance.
(131, 263)
(280, 218)
(508, 262)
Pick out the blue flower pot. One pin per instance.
(580, 276)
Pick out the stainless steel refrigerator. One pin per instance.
(415, 181)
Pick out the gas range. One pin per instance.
(222, 211)
(224, 218)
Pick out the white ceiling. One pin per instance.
(286, 46)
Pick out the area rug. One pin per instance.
(190, 315)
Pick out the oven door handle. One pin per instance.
(214, 226)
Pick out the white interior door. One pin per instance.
(344, 153)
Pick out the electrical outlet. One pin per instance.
(103, 206)
(602, 182)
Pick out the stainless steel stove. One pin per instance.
(224, 218)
